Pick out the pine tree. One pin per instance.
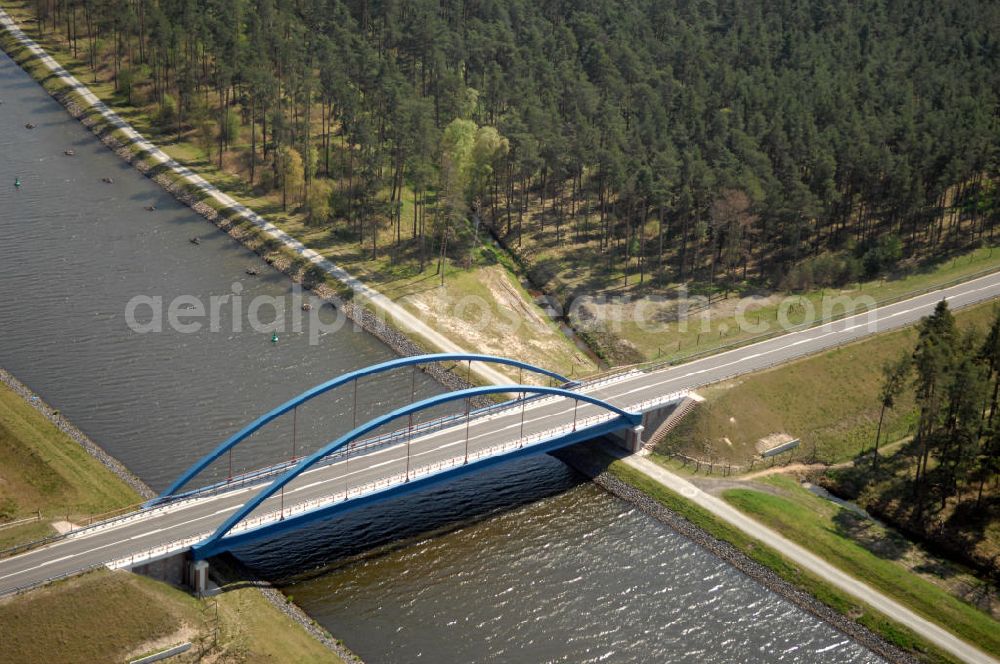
(894, 375)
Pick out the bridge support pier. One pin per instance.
(197, 576)
(634, 438)
(629, 439)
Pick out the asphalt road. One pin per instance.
(180, 521)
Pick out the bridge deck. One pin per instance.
(177, 525)
(184, 522)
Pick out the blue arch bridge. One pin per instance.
(359, 468)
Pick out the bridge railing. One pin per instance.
(609, 377)
(394, 479)
(171, 546)
(252, 477)
(361, 447)
(138, 514)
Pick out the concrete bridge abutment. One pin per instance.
(178, 569)
(655, 424)
(631, 439)
(197, 576)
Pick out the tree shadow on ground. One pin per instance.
(870, 535)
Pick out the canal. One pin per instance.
(526, 562)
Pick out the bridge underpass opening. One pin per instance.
(327, 486)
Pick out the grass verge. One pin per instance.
(46, 473)
(825, 529)
(719, 326)
(844, 604)
(830, 401)
(108, 616)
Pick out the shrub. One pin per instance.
(318, 202)
(822, 271)
(166, 116)
(883, 256)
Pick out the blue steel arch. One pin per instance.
(322, 388)
(632, 419)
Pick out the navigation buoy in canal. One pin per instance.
(274, 337)
(17, 183)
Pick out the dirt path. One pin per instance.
(794, 468)
(717, 485)
(790, 469)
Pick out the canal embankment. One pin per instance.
(113, 465)
(391, 322)
(54, 473)
(754, 559)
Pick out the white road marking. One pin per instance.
(494, 424)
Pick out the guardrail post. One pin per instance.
(408, 451)
(295, 422)
(521, 435)
(467, 422)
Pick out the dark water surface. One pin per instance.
(522, 563)
(76, 250)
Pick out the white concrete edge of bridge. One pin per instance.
(159, 552)
(168, 549)
(147, 514)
